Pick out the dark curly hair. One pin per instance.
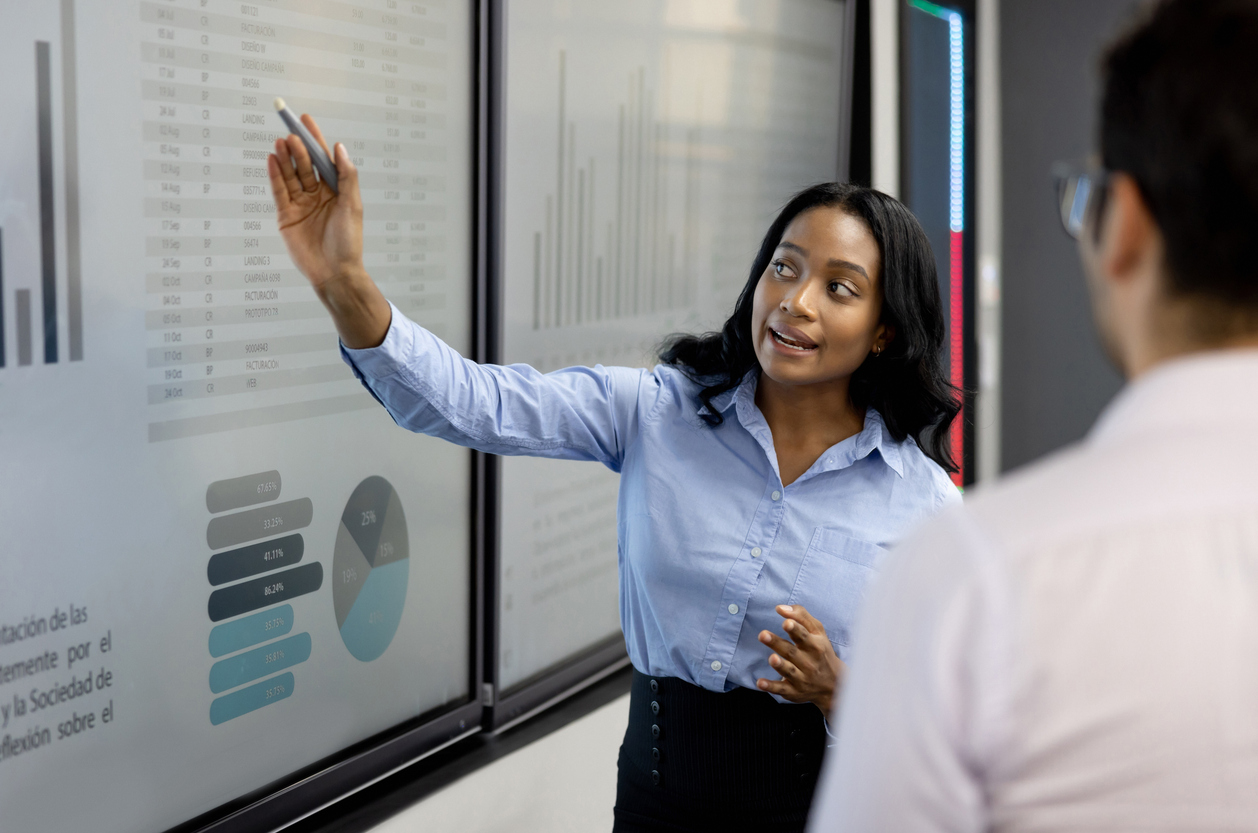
(906, 384)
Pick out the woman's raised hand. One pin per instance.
(811, 671)
(324, 235)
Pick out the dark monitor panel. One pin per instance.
(937, 179)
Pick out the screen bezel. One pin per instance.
(312, 788)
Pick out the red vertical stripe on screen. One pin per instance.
(956, 346)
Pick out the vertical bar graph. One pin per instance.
(47, 212)
(636, 272)
(24, 337)
(70, 130)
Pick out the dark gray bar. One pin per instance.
(263, 592)
(537, 280)
(250, 490)
(23, 327)
(263, 557)
(70, 125)
(559, 204)
(1, 297)
(47, 214)
(229, 530)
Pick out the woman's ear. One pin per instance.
(883, 337)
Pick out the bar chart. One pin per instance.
(255, 585)
(638, 264)
(51, 214)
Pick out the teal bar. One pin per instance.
(249, 666)
(250, 699)
(230, 637)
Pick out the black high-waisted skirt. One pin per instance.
(693, 759)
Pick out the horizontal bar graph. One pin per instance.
(238, 492)
(230, 706)
(249, 596)
(248, 631)
(259, 662)
(250, 560)
(250, 525)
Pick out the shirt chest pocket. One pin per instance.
(832, 580)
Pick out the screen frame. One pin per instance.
(969, 284)
(508, 707)
(302, 793)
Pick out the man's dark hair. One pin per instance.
(1179, 114)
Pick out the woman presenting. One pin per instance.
(763, 469)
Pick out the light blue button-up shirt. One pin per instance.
(710, 541)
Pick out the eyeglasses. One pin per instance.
(1080, 196)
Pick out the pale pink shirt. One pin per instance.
(1077, 647)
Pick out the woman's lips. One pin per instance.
(792, 340)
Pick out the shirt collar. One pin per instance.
(722, 402)
(873, 437)
(1218, 387)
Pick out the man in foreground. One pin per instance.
(1077, 648)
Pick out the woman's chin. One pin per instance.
(790, 371)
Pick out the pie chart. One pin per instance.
(370, 566)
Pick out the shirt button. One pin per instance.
(776, 495)
(733, 608)
(716, 665)
(755, 552)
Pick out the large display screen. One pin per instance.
(220, 561)
(648, 145)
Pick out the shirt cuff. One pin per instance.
(389, 356)
(382, 361)
(833, 738)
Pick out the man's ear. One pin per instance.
(1129, 236)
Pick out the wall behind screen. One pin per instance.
(647, 147)
(157, 341)
(1055, 378)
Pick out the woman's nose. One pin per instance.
(798, 301)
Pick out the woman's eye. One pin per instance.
(839, 288)
(783, 269)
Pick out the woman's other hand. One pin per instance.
(811, 671)
(324, 235)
